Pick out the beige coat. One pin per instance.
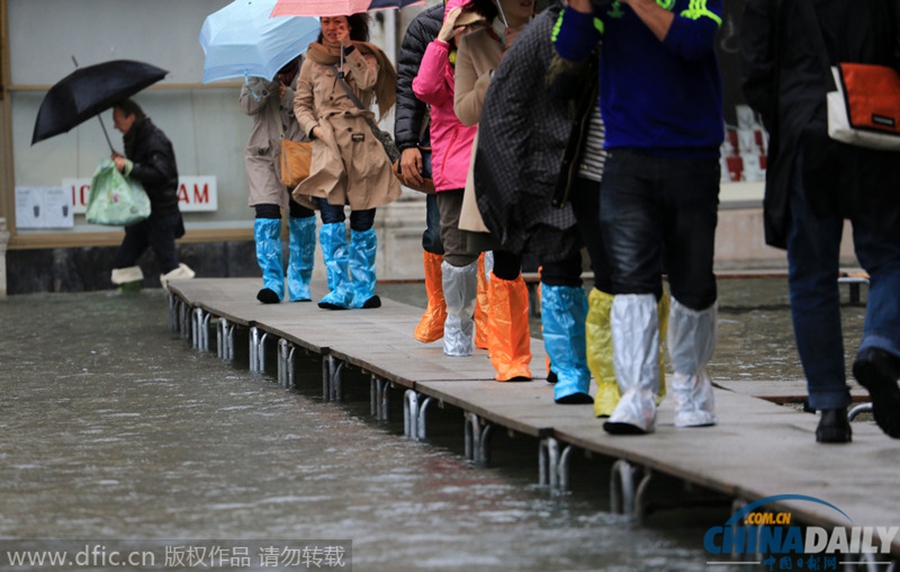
(479, 54)
(263, 151)
(349, 165)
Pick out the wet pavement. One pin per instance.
(112, 427)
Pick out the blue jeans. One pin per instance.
(661, 213)
(431, 238)
(813, 264)
(359, 220)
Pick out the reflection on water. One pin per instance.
(756, 338)
(112, 427)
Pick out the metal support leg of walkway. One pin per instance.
(857, 409)
(258, 349)
(379, 395)
(478, 439)
(553, 465)
(331, 379)
(854, 283)
(415, 407)
(174, 302)
(624, 496)
(200, 329)
(225, 339)
(184, 321)
(286, 364)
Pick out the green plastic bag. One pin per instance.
(116, 200)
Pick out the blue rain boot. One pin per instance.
(302, 255)
(563, 313)
(363, 245)
(267, 235)
(333, 237)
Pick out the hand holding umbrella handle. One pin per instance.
(119, 160)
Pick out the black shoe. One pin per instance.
(575, 399)
(330, 306)
(373, 302)
(834, 427)
(877, 371)
(619, 428)
(552, 377)
(267, 296)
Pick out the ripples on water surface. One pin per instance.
(112, 427)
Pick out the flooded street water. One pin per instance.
(112, 427)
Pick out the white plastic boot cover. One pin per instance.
(691, 340)
(125, 275)
(635, 339)
(182, 272)
(460, 284)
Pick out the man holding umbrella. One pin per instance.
(150, 160)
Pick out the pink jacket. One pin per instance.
(451, 141)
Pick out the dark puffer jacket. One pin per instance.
(154, 166)
(410, 111)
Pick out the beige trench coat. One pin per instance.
(349, 165)
(479, 54)
(263, 151)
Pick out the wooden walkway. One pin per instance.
(759, 449)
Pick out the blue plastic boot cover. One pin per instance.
(302, 256)
(563, 313)
(363, 245)
(333, 237)
(267, 236)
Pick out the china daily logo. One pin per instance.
(786, 545)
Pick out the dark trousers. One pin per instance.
(661, 212)
(295, 209)
(585, 198)
(156, 232)
(431, 238)
(359, 220)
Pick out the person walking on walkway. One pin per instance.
(271, 105)
(411, 129)
(537, 109)
(451, 152)
(661, 99)
(150, 160)
(509, 339)
(813, 183)
(341, 76)
(522, 133)
(580, 183)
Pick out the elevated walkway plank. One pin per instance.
(783, 392)
(758, 449)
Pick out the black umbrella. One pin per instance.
(89, 91)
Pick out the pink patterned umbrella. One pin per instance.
(336, 7)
